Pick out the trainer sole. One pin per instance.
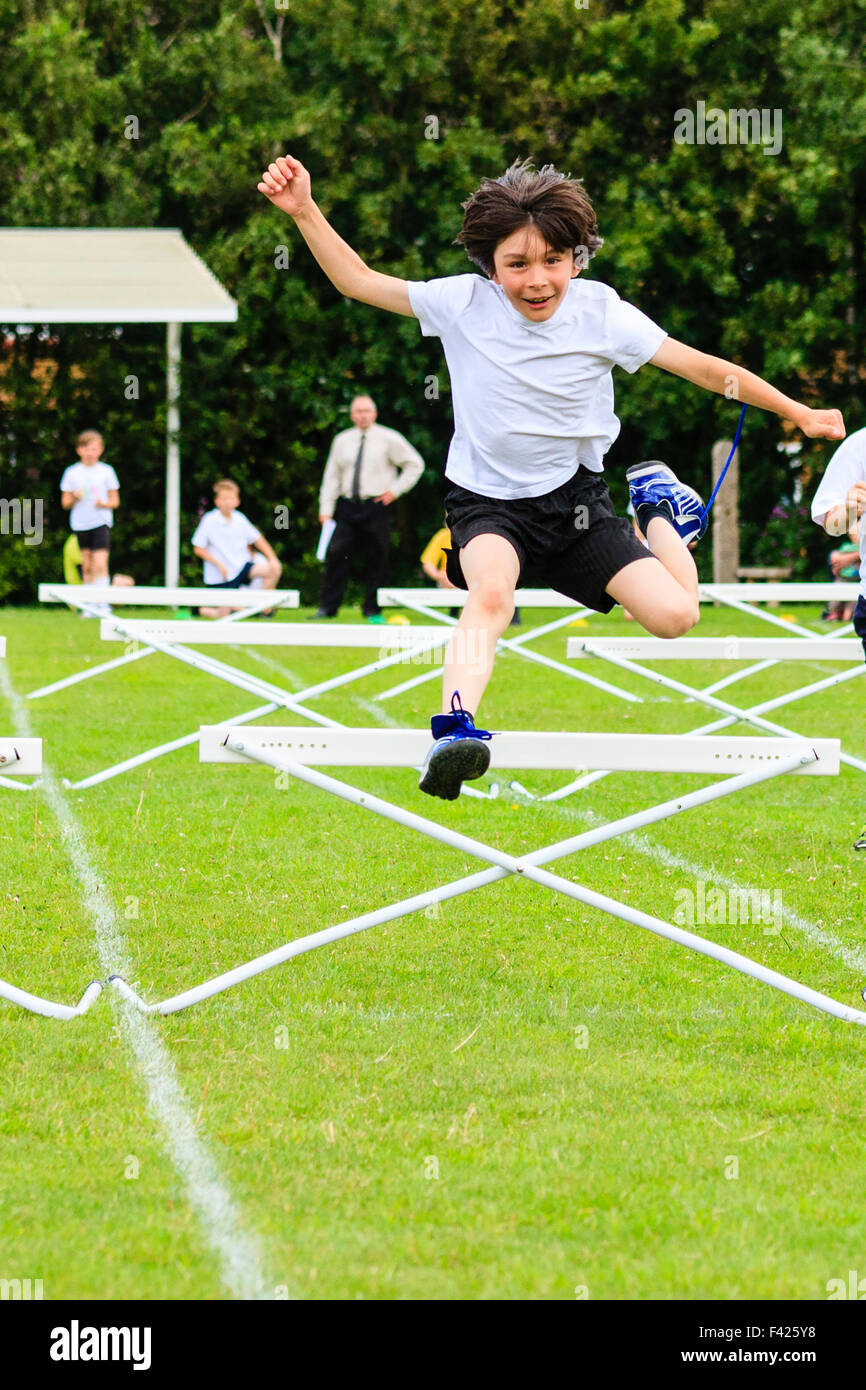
(459, 762)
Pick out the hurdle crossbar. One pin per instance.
(346, 747)
(160, 596)
(782, 592)
(251, 633)
(718, 648)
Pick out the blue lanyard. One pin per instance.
(706, 510)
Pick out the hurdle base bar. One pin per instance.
(346, 747)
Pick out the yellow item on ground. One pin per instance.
(72, 561)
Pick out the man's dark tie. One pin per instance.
(356, 480)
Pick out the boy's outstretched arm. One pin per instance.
(725, 378)
(287, 184)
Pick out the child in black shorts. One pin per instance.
(531, 349)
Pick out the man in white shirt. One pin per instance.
(531, 353)
(224, 539)
(368, 467)
(89, 491)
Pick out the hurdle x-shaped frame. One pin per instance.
(296, 752)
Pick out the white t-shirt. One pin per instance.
(94, 481)
(846, 467)
(532, 401)
(229, 538)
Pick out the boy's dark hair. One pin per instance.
(525, 197)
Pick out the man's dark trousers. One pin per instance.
(363, 530)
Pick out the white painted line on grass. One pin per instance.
(238, 1253)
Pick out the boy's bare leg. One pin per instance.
(662, 590)
(491, 569)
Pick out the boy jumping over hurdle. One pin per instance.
(531, 350)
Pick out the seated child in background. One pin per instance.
(223, 539)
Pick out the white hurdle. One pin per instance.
(87, 598)
(174, 639)
(20, 755)
(293, 751)
(426, 604)
(729, 648)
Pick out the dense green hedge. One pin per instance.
(752, 256)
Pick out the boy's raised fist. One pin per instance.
(287, 183)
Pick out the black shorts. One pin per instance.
(570, 540)
(859, 620)
(99, 538)
(239, 580)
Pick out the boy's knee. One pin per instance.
(496, 598)
(677, 617)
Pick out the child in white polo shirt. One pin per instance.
(223, 540)
(530, 350)
(89, 491)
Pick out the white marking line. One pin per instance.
(238, 1253)
(853, 957)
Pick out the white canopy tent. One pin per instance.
(116, 275)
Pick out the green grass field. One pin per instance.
(511, 1097)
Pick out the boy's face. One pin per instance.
(534, 276)
(91, 452)
(227, 499)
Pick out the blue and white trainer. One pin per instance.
(653, 484)
(459, 753)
